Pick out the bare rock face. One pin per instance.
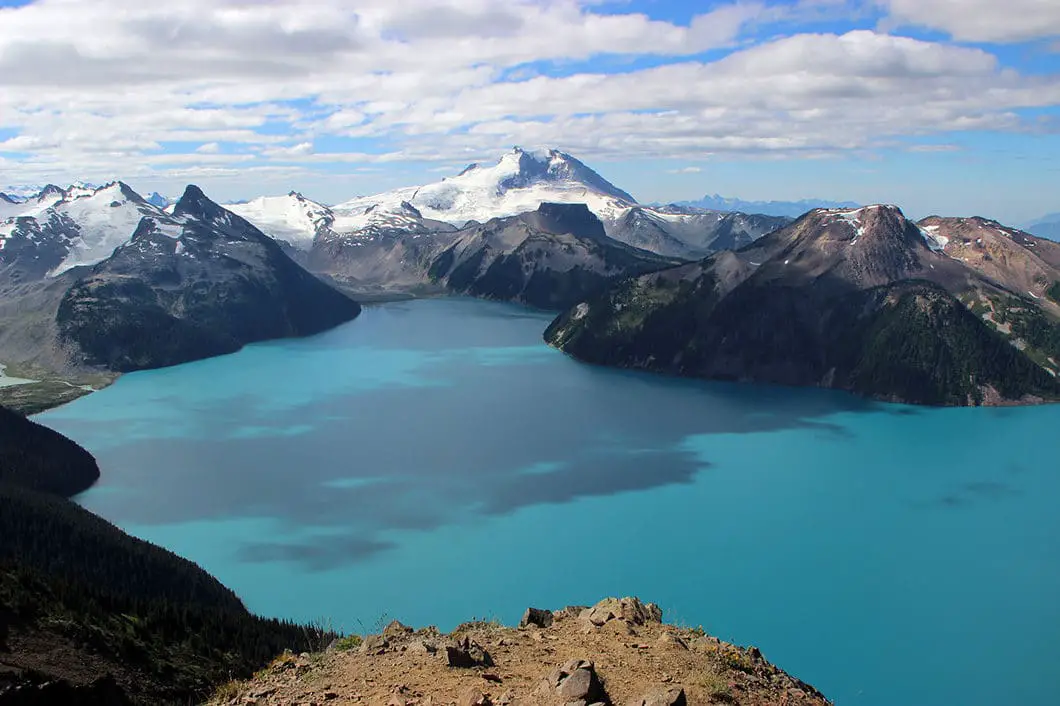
(630, 610)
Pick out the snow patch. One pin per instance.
(581, 311)
(933, 239)
(169, 229)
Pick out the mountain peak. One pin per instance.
(196, 204)
(158, 200)
(575, 218)
(525, 168)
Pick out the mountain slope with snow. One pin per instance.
(190, 285)
(519, 182)
(292, 218)
(72, 227)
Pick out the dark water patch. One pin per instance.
(324, 553)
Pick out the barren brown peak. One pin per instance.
(1018, 261)
(617, 652)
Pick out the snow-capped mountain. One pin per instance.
(518, 183)
(162, 288)
(292, 218)
(72, 227)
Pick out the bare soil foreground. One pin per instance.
(616, 652)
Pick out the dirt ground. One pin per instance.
(617, 652)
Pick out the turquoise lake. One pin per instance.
(434, 461)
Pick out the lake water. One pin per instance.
(434, 461)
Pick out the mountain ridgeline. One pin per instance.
(861, 300)
(341, 241)
(91, 615)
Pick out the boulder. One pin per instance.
(574, 681)
(571, 611)
(536, 616)
(466, 654)
(428, 647)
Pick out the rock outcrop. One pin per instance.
(615, 653)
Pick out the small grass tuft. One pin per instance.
(230, 691)
(711, 687)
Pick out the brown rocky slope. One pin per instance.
(616, 652)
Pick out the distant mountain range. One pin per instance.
(101, 280)
(789, 209)
(519, 182)
(1047, 226)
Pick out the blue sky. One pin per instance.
(937, 106)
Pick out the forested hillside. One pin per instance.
(89, 614)
(35, 457)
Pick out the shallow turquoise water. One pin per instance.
(434, 461)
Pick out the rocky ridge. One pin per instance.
(617, 652)
(862, 300)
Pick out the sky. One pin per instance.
(939, 106)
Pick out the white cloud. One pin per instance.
(686, 170)
(287, 82)
(302, 149)
(981, 20)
